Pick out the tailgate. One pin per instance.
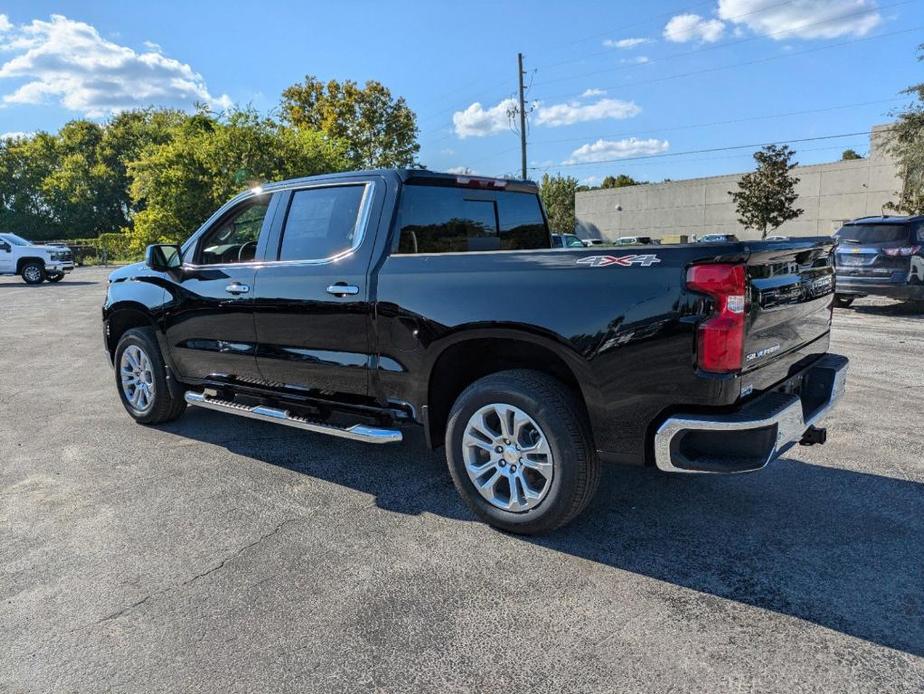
(790, 303)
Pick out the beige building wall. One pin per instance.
(829, 194)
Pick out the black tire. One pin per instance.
(843, 300)
(55, 278)
(33, 272)
(167, 400)
(560, 416)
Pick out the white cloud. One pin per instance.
(462, 171)
(151, 46)
(603, 150)
(593, 92)
(69, 63)
(5, 23)
(477, 121)
(589, 181)
(625, 43)
(637, 60)
(803, 19)
(15, 135)
(692, 27)
(577, 112)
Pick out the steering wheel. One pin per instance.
(240, 251)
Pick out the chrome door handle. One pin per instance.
(237, 288)
(343, 289)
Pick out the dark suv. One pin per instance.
(882, 256)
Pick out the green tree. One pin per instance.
(905, 142)
(381, 131)
(620, 181)
(557, 193)
(177, 185)
(24, 164)
(766, 195)
(850, 155)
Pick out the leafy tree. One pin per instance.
(557, 194)
(24, 164)
(850, 155)
(620, 181)
(905, 142)
(177, 185)
(766, 195)
(381, 131)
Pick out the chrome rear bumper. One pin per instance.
(759, 432)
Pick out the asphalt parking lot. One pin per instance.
(228, 555)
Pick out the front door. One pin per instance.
(210, 327)
(312, 308)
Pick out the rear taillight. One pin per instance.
(904, 250)
(720, 339)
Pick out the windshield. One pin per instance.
(873, 233)
(15, 240)
(572, 241)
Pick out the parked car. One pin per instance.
(883, 256)
(34, 263)
(567, 241)
(777, 238)
(593, 242)
(717, 238)
(357, 304)
(635, 241)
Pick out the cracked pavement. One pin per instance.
(228, 555)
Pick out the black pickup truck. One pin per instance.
(355, 304)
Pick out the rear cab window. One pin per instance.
(445, 219)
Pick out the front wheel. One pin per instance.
(141, 377)
(33, 273)
(843, 300)
(520, 452)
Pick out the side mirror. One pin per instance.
(163, 257)
(4, 246)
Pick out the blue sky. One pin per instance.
(610, 80)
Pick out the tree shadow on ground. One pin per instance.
(834, 547)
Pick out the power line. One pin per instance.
(713, 149)
(704, 125)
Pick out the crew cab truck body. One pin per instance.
(354, 304)
(32, 262)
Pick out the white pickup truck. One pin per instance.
(33, 263)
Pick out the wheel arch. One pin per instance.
(21, 263)
(473, 354)
(122, 317)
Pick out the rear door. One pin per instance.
(210, 328)
(791, 288)
(313, 309)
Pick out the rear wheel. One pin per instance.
(141, 377)
(33, 273)
(843, 300)
(520, 452)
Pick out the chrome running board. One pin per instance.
(357, 432)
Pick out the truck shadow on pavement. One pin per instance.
(834, 547)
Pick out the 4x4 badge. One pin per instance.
(621, 260)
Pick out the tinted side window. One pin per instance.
(522, 225)
(920, 232)
(450, 220)
(446, 220)
(235, 239)
(321, 222)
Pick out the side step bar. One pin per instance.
(357, 432)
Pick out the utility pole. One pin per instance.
(520, 74)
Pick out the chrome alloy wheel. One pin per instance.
(33, 273)
(507, 457)
(137, 378)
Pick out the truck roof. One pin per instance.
(418, 176)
